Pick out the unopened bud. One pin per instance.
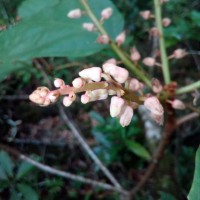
(135, 55)
(177, 104)
(149, 61)
(78, 82)
(116, 106)
(111, 60)
(145, 14)
(156, 85)
(179, 53)
(133, 84)
(58, 83)
(120, 39)
(118, 73)
(126, 116)
(166, 22)
(85, 98)
(76, 13)
(89, 26)
(93, 73)
(106, 13)
(103, 39)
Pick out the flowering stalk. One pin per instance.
(139, 73)
(165, 64)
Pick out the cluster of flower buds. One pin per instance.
(97, 83)
(89, 26)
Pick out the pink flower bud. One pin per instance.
(89, 26)
(53, 96)
(58, 83)
(154, 32)
(166, 22)
(118, 73)
(133, 84)
(76, 13)
(126, 116)
(179, 53)
(145, 14)
(93, 73)
(111, 60)
(103, 39)
(156, 109)
(40, 95)
(106, 13)
(156, 85)
(116, 106)
(78, 82)
(120, 39)
(135, 55)
(67, 101)
(149, 61)
(177, 104)
(85, 98)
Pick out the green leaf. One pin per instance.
(6, 163)
(166, 196)
(23, 169)
(3, 175)
(137, 149)
(97, 117)
(28, 192)
(28, 10)
(14, 195)
(194, 193)
(46, 32)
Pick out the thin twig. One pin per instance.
(168, 130)
(186, 118)
(86, 147)
(60, 173)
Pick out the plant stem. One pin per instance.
(115, 48)
(165, 64)
(188, 88)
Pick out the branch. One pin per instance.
(165, 64)
(86, 147)
(168, 130)
(60, 173)
(115, 48)
(186, 118)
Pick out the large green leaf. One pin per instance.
(6, 163)
(194, 193)
(137, 149)
(28, 192)
(45, 31)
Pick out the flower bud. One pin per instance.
(111, 60)
(156, 109)
(116, 106)
(85, 98)
(179, 53)
(156, 85)
(118, 73)
(120, 39)
(135, 55)
(145, 14)
(67, 101)
(76, 13)
(93, 73)
(103, 39)
(166, 22)
(58, 83)
(149, 61)
(106, 13)
(53, 96)
(126, 116)
(98, 94)
(78, 82)
(177, 104)
(133, 84)
(89, 26)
